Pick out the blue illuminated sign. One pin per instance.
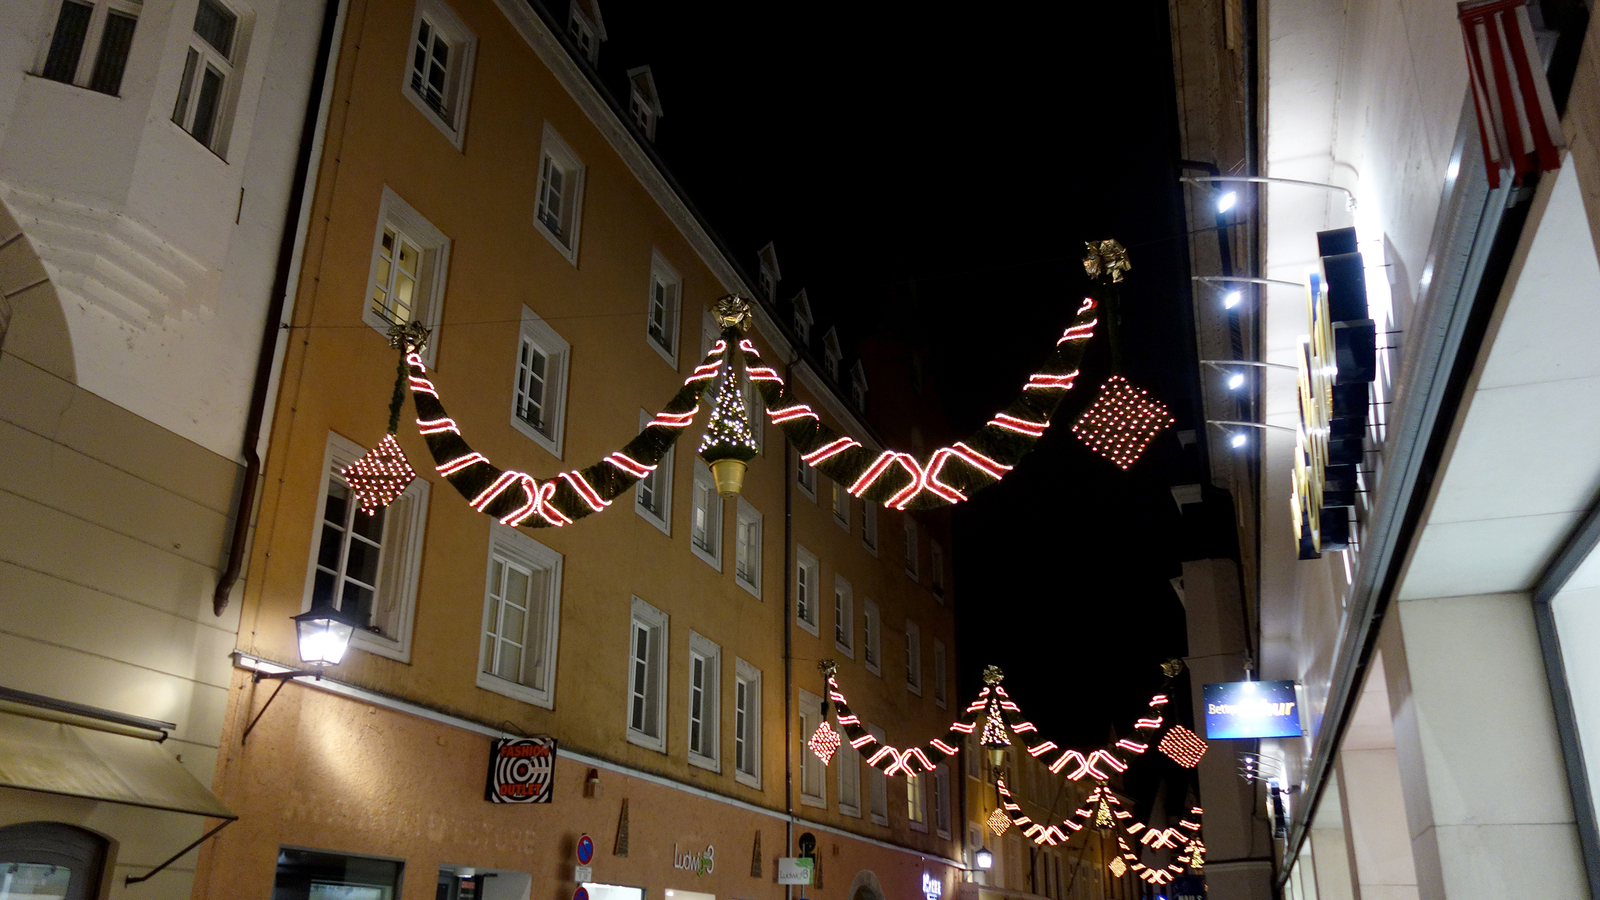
(1252, 709)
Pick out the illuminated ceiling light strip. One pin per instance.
(461, 462)
(629, 465)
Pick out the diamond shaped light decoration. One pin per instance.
(1183, 746)
(1122, 421)
(999, 821)
(1118, 867)
(824, 741)
(379, 476)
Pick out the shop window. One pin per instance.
(367, 566)
(478, 883)
(50, 860)
(813, 788)
(316, 875)
(647, 677)
(521, 618)
(705, 692)
(807, 589)
(105, 30)
(746, 724)
(652, 496)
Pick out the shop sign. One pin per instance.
(794, 870)
(700, 863)
(932, 888)
(1252, 709)
(521, 770)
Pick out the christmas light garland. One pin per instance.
(1102, 811)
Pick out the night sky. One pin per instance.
(931, 175)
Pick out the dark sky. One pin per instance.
(931, 173)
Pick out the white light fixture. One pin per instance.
(1231, 299)
(324, 637)
(1238, 440)
(1227, 201)
(983, 859)
(1454, 169)
(1235, 381)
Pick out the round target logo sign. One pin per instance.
(521, 770)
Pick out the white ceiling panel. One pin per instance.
(1458, 559)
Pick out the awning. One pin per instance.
(75, 761)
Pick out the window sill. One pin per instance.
(818, 802)
(807, 627)
(450, 132)
(879, 819)
(661, 524)
(705, 762)
(670, 354)
(714, 562)
(914, 689)
(754, 589)
(748, 780)
(870, 547)
(551, 445)
(809, 492)
(378, 645)
(570, 254)
(875, 669)
(920, 827)
(848, 651)
(842, 523)
(939, 702)
(639, 738)
(853, 812)
(943, 834)
(515, 691)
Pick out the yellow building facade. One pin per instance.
(473, 177)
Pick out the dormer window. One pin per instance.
(644, 104)
(831, 354)
(858, 387)
(768, 275)
(803, 318)
(586, 28)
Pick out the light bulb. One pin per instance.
(1235, 381)
(1227, 201)
(1231, 299)
(1238, 440)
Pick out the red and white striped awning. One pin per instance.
(1517, 120)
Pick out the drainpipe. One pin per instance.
(788, 644)
(300, 187)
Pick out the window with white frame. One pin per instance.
(849, 765)
(652, 496)
(872, 638)
(869, 526)
(877, 786)
(939, 674)
(89, 43)
(768, 274)
(841, 504)
(805, 477)
(705, 690)
(916, 802)
(647, 677)
(813, 787)
(913, 658)
(584, 33)
(747, 548)
(858, 386)
(558, 206)
(521, 618)
(832, 355)
(910, 549)
(803, 320)
(844, 617)
(406, 281)
(941, 801)
(661, 308)
(746, 723)
(705, 517)
(936, 569)
(367, 566)
(205, 95)
(807, 589)
(539, 389)
(438, 76)
(643, 112)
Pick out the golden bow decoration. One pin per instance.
(1106, 258)
(732, 311)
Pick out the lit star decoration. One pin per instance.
(1122, 421)
(999, 822)
(379, 476)
(1184, 746)
(728, 434)
(1118, 867)
(824, 741)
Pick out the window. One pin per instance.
(916, 802)
(105, 28)
(755, 410)
(844, 617)
(313, 875)
(558, 209)
(911, 548)
(747, 548)
(407, 277)
(367, 566)
(841, 505)
(705, 517)
(938, 674)
(869, 526)
(803, 320)
(971, 751)
(643, 115)
(768, 275)
(647, 677)
(858, 387)
(644, 102)
(746, 723)
(205, 94)
(913, 658)
(813, 789)
(652, 496)
(44, 860)
(849, 763)
(805, 477)
(936, 569)
(872, 639)
(877, 786)
(521, 618)
(832, 356)
(583, 23)
(661, 310)
(539, 390)
(807, 589)
(438, 79)
(941, 801)
(705, 694)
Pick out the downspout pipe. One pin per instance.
(788, 644)
(271, 329)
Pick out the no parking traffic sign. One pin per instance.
(585, 851)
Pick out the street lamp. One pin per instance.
(1227, 201)
(983, 859)
(324, 636)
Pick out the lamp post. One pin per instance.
(324, 635)
(1226, 201)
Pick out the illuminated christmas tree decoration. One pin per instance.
(1194, 855)
(1183, 746)
(824, 742)
(1118, 867)
(1102, 815)
(728, 434)
(379, 476)
(1122, 422)
(999, 822)
(994, 733)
